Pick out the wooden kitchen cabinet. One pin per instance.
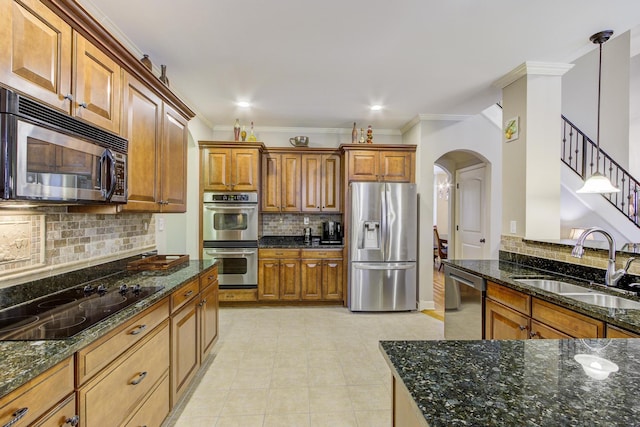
(173, 162)
(615, 332)
(63, 414)
(227, 166)
(278, 274)
(384, 163)
(281, 174)
(322, 275)
(208, 313)
(321, 183)
(43, 399)
(510, 314)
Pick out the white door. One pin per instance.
(471, 217)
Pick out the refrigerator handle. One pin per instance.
(384, 231)
(384, 266)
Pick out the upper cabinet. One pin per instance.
(40, 51)
(173, 162)
(321, 182)
(281, 182)
(384, 163)
(230, 166)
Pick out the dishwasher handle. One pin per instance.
(470, 280)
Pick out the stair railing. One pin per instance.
(579, 152)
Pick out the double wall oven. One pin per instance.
(230, 235)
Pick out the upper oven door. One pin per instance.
(230, 221)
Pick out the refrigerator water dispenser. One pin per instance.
(371, 238)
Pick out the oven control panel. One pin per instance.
(226, 197)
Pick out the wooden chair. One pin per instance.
(440, 247)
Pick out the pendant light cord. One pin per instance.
(598, 122)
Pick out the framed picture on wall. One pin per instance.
(511, 129)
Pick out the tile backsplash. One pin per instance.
(290, 224)
(52, 239)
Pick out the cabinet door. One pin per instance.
(311, 183)
(97, 86)
(271, 183)
(290, 279)
(244, 169)
(208, 319)
(614, 332)
(332, 272)
(62, 415)
(173, 158)
(268, 279)
(331, 183)
(141, 126)
(502, 323)
(363, 166)
(566, 321)
(185, 350)
(311, 279)
(36, 52)
(216, 167)
(396, 166)
(290, 183)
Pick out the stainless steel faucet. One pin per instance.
(612, 276)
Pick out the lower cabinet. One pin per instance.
(616, 332)
(405, 411)
(510, 314)
(300, 275)
(46, 400)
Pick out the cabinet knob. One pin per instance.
(138, 330)
(68, 97)
(82, 104)
(138, 380)
(521, 327)
(188, 294)
(73, 421)
(533, 334)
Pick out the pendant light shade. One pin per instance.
(598, 183)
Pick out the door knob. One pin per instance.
(482, 240)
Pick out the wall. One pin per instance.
(441, 196)
(55, 241)
(580, 96)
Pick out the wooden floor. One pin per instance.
(438, 293)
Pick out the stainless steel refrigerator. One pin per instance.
(383, 240)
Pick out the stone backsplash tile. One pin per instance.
(292, 224)
(57, 238)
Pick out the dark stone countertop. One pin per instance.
(24, 360)
(518, 383)
(501, 272)
(291, 242)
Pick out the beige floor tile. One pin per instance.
(288, 400)
(204, 404)
(241, 421)
(326, 376)
(370, 398)
(218, 379)
(287, 420)
(333, 419)
(329, 399)
(291, 359)
(185, 421)
(245, 402)
(290, 377)
(373, 418)
(252, 378)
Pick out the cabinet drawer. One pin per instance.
(566, 321)
(184, 294)
(509, 297)
(209, 277)
(238, 295)
(615, 332)
(279, 253)
(130, 378)
(91, 359)
(39, 395)
(324, 254)
(63, 414)
(155, 409)
(543, 332)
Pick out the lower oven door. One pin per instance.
(237, 266)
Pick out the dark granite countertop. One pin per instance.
(518, 383)
(24, 360)
(501, 272)
(292, 242)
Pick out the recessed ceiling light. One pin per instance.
(243, 104)
(376, 107)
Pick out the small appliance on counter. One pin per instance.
(331, 233)
(307, 235)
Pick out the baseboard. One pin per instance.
(426, 305)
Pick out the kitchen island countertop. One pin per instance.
(24, 360)
(518, 383)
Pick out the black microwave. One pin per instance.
(49, 156)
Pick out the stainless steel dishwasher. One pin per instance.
(464, 304)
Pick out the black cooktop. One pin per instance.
(67, 313)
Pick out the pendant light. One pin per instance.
(598, 183)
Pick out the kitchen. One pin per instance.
(175, 231)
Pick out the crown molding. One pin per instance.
(336, 131)
(532, 68)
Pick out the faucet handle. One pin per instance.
(629, 261)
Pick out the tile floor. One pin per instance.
(301, 366)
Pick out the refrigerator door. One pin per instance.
(367, 222)
(382, 286)
(400, 206)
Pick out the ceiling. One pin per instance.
(305, 63)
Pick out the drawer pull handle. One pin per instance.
(73, 421)
(187, 294)
(138, 330)
(139, 379)
(17, 416)
(521, 327)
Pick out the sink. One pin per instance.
(554, 286)
(604, 300)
